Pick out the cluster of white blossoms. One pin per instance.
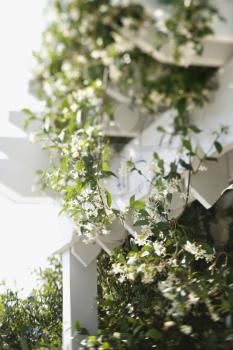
(153, 167)
(148, 272)
(186, 329)
(202, 168)
(198, 251)
(77, 145)
(133, 269)
(120, 2)
(168, 288)
(142, 238)
(187, 294)
(159, 248)
(142, 264)
(161, 17)
(85, 93)
(156, 98)
(121, 44)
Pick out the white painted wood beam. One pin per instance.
(79, 299)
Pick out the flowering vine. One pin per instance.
(85, 57)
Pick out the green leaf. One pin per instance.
(195, 129)
(132, 201)
(64, 164)
(163, 225)
(141, 222)
(211, 159)
(80, 165)
(105, 166)
(169, 197)
(136, 204)
(30, 116)
(187, 145)
(27, 111)
(109, 198)
(153, 334)
(160, 129)
(106, 153)
(108, 173)
(218, 146)
(185, 165)
(77, 326)
(133, 245)
(105, 345)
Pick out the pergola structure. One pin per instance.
(79, 258)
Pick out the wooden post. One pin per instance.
(79, 298)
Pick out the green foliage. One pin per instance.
(34, 322)
(85, 53)
(173, 293)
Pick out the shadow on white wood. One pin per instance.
(208, 186)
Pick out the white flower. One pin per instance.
(117, 268)
(214, 316)
(74, 14)
(117, 335)
(202, 168)
(122, 278)
(131, 276)
(141, 239)
(79, 117)
(186, 329)
(197, 251)
(74, 107)
(114, 72)
(132, 260)
(127, 22)
(153, 168)
(193, 298)
(127, 58)
(183, 195)
(104, 230)
(159, 249)
(169, 324)
(47, 124)
(61, 135)
(48, 89)
(147, 271)
(161, 16)
(66, 67)
(148, 276)
(156, 97)
(173, 186)
(96, 54)
(120, 2)
(187, 3)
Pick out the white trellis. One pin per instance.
(206, 188)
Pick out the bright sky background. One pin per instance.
(29, 232)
